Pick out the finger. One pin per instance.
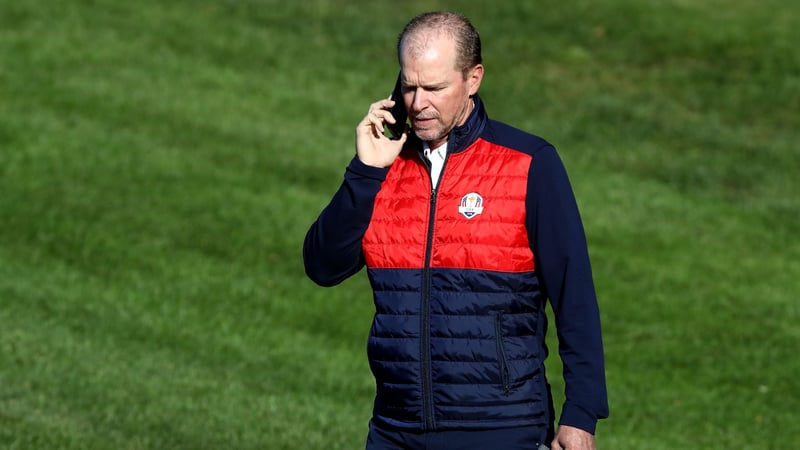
(377, 121)
(375, 125)
(378, 114)
(369, 127)
(379, 118)
(384, 115)
(382, 104)
(382, 107)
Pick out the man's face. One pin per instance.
(436, 94)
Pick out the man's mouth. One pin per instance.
(422, 121)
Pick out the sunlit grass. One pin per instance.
(160, 163)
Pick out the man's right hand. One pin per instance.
(372, 146)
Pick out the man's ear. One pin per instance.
(474, 78)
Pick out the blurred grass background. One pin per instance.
(160, 163)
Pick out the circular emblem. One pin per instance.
(471, 205)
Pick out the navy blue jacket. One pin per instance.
(460, 275)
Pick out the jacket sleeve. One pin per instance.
(332, 247)
(562, 263)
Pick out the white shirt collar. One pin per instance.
(436, 157)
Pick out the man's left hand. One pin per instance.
(571, 438)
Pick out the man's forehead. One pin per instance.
(431, 48)
(420, 42)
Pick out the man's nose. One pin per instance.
(420, 100)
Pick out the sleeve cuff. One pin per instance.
(359, 168)
(574, 416)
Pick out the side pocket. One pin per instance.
(501, 353)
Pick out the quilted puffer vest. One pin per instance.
(456, 338)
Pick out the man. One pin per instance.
(466, 227)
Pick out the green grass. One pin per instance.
(160, 163)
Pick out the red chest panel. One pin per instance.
(479, 218)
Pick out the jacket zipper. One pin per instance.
(427, 394)
(427, 381)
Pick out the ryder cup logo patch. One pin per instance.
(471, 205)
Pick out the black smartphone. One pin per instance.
(398, 111)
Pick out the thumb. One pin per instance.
(404, 136)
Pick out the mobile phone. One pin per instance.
(398, 111)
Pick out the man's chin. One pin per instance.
(428, 135)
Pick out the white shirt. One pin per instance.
(436, 157)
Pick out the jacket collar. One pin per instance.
(463, 136)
